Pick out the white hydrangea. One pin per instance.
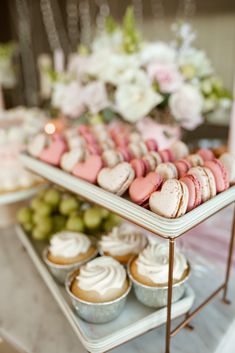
(157, 52)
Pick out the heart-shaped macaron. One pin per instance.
(36, 146)
(171, 201)
(71, 158)
(141, 188)
(89, 169)
(53, 153)
(116, 179)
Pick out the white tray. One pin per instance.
(127, 209)
(12, 197)
(135, 320)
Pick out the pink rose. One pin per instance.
(186, 106)
(165, 135)
(167, 76)
(95, 97)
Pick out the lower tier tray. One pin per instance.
(135, 320)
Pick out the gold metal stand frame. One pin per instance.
(190, 316)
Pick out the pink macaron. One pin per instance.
(220, 174)
(167, 171)
(206, 154)
(126, 153)
(83, 129)
(195, 160)
(93, 148)
(207, 181)
(141, 188)
(194, 189)
(183, 167)
(139, 167)
(166, 155)
(151, 145)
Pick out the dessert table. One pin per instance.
(30, 317)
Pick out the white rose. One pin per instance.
(135, 100)
(186, 106)
(72, 103)
(113, 68)
(95, 97)
(197, 59)
(157, 52)
(58, 92)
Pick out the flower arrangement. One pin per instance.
(122, 75)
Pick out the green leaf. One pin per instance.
(131, 36)
(110, 25)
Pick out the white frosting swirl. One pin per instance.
(101, 275)
(123, 240)
(69, 244)
(153, 263)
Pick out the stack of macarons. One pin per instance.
(201, 183)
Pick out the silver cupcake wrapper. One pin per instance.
(96, 313)
(156, 297)
(60, 272)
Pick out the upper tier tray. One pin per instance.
(167, 228)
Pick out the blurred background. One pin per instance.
(42, 26)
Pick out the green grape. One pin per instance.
(52, 197)
(115, 219)
(92, 218)
(45, 227)
(28, 226)
(36, 203)
(59, 222)
(42, 193)
(107, 225)
(38, 234)
(25, 215)
(68, 206)
(44, 209)
(75, 224)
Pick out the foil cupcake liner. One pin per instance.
(96, 313)
(60, 272)
(156, 297)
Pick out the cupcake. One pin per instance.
(98, 289)
(149, 274)
(68, 250)
(122, 243)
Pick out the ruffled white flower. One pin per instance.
(186, 106)
(113, 68)
(157, 52)
(135, 100)
(58, 94)
(95, 97)
(73, 103)
(111, 42)
(98, 63)
(77, 66)
(196, 61)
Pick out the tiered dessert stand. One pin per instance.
(169, 229)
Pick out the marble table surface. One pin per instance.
(31, 318)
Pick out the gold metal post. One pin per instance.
(169, 299)
(230, 259)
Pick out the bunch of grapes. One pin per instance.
(53, 210)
